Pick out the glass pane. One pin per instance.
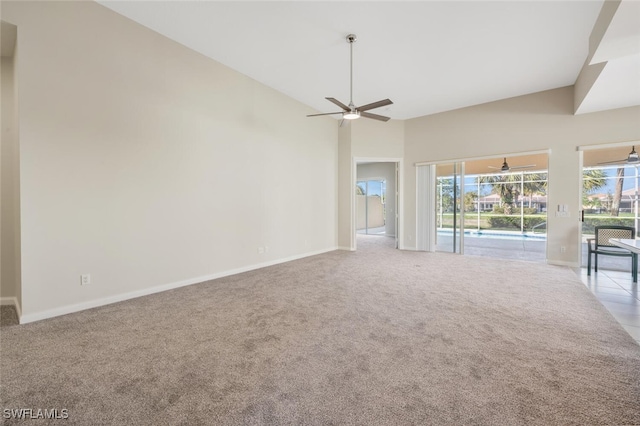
(370, 207)
(505, 213)
(448, 203)
(609, 197)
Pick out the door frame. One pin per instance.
(399, 187)
(581, 149)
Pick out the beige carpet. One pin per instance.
(375, 337)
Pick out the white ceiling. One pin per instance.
(426, 56)
(618, 85)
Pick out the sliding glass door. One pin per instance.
(370, 208)
(610, 192)
(449, 215)
(487, 207)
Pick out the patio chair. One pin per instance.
(601, 245)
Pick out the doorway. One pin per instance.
(376, 192)
(610, 191)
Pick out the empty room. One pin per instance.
(239, 212)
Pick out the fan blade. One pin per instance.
(326, 113)
(528, 166)
(374, 105)
(374, 116)
(340, 104)
(615, 162)
(493, 167)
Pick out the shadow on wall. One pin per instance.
(370, 212)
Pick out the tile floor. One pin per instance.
(618, 293)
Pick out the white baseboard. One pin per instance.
(11, 301)
(345, 248)
(69, 309)
(563, 263)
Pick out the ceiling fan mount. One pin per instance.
(351, 112)
(505, 166)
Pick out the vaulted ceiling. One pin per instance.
(427, 57)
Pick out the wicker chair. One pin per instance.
(601, 245)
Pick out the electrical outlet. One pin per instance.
(85, 279)
(260, 250)
(563, 249)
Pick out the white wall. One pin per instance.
(9, 189)
(386, 171)
(377, 139)
(345, 189)
(533, 122)
(150, 166)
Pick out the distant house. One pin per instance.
(486, 203)
(626, 201)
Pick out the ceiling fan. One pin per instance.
(351, 112)
(505, 167)
(632, 158)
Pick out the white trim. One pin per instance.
(346, 248)
(607, 145)
(377, 159)
(547, 248)
(12, 301)
(400, 200)
(570, 264)
(354, 203)
(69, 309)
(580, 206)
(462, 185)
(485, 157)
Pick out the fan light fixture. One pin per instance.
(351, 112)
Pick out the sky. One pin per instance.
(628, 183)
(376, 187)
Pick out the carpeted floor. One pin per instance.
(8, 316)
(375, 337)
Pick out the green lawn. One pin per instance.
(502, 222)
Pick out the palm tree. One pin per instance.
(534, 183)
(593, 179)
(617, 195)
(510, 186)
